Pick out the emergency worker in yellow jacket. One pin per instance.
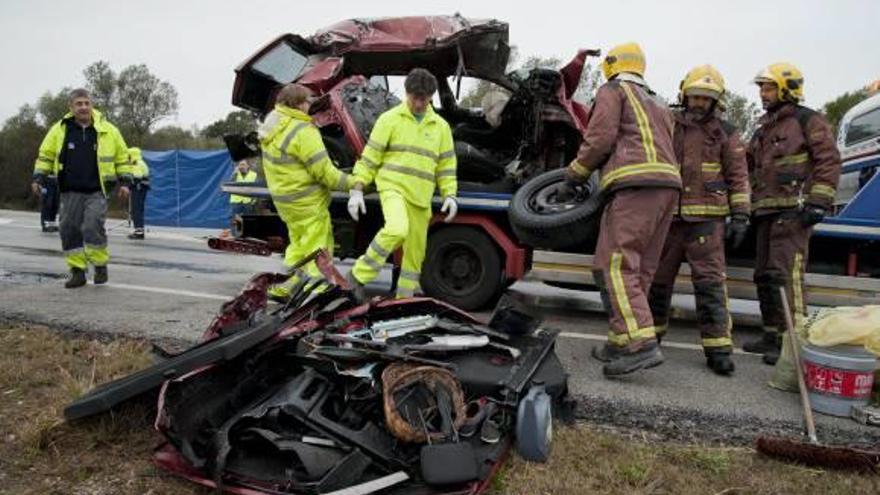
(300, 176)
(140, 185)
(88, 155)
(409, 154)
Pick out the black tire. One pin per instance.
(539, 221)
(462, 267)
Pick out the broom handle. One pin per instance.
(796, 357)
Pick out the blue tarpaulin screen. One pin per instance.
(185, 188)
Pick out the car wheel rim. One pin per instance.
(543, 201)
(459, 269)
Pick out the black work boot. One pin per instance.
(357, 289)
(767, 342)
(100, 275)
(137, 234)
(718, 360)
(77, 279)
(606, 352)
(771, 356)
(648, 356)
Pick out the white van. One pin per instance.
(859, 142)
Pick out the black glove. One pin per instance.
(566, 191)
(811, 215)
(737, 229)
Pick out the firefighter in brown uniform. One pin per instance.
(794, 166)
(629, 141)
(715, 182)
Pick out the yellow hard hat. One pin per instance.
(703, 80)
(787, 78)
(627, 57)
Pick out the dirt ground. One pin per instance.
(41, 371)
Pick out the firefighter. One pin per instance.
(409, 154)
(629, 141)
(715, 182)
(242, 175)
(794, 167)
(140, 186)
(88, 155)
(300, 176)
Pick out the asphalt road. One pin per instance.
(168, 287)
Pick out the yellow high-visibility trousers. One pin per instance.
(306, 235)
(405, 226)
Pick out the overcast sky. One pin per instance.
(195, 45)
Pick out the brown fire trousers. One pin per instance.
(631, 236)
(782, 248)
(701, 244)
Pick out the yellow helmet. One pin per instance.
(787, 78)
(703, 80)
(627, 57)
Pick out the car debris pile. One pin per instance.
(321, 395)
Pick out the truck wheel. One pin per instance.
(541, 221)
(462, 267)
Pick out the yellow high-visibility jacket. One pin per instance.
(113, 162)
(250, 176)
(409, 157)
(298, 170)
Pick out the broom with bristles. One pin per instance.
(811, 452)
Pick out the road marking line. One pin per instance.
(163, 290)
(4, 221)
(673, 345)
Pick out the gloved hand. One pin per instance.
(811, 215)
(566, 191)
(356, 205)
(450, 207)
(736, 229)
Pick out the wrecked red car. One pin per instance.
(527, 122)
(322, 395)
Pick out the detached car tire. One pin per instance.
(540, 221)
(462, 267)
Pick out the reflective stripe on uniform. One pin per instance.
(620, 296)
(406, 148)
(317, 157)
(405, 292)
(792, 159)
(775, 203)
(403, 169)
(376, 146)
(711, 167)
(408, 275)
(621, 340)
(292, 134)
(579, 169)
(797, 280)
(641, 168)
(370, 163)
(284, 159)
(718, 342)
(823, 190)
(719, 210)
(447, 154)
(375, 265)
(739, 198)
(71, 252)
(382, 252)
(106, 159)
(342, 185)
(643, 123)
(446, 173)
(289, 198)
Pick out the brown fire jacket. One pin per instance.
(793, 160)
(714, 172)
(628, 139)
